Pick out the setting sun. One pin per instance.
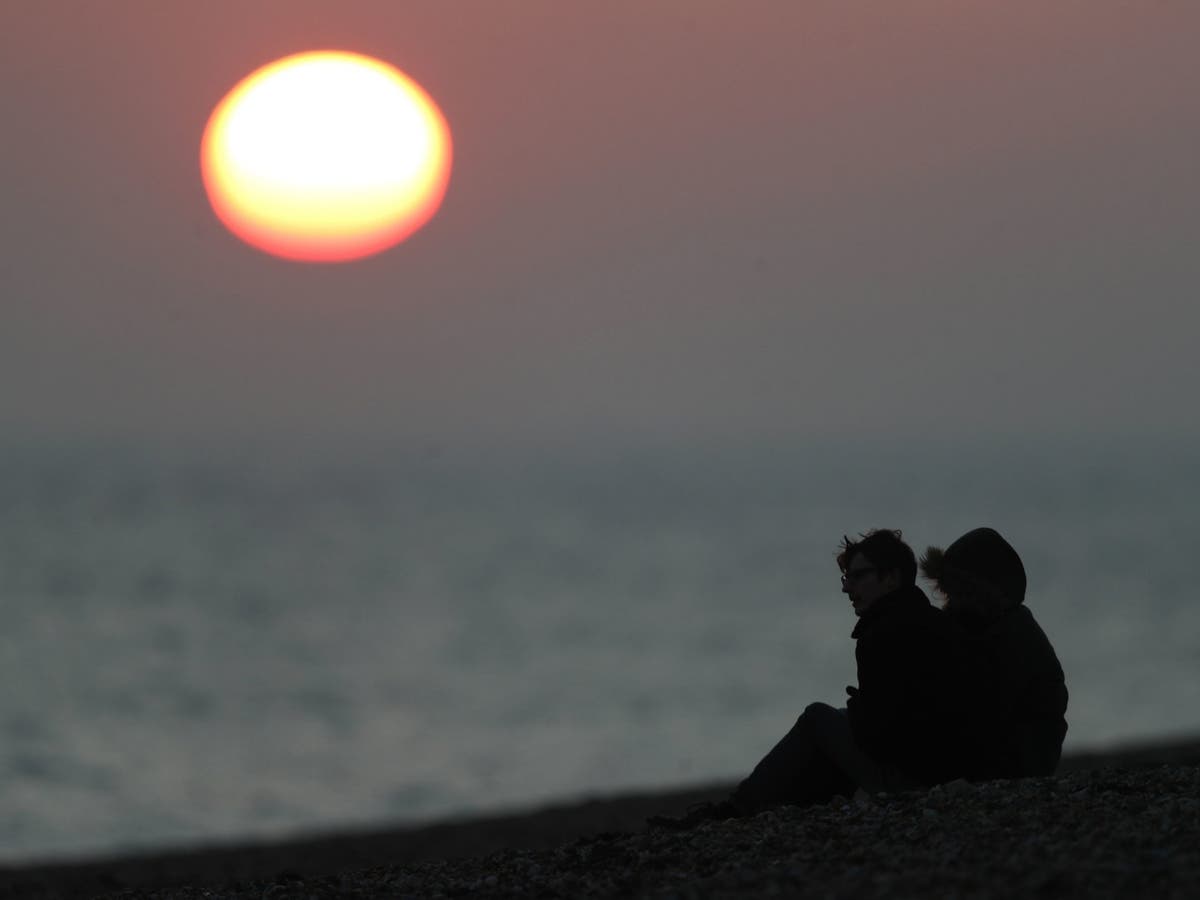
(325, 157)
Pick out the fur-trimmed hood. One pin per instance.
(979, 573)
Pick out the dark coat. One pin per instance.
(907, 710)
(1019, 695)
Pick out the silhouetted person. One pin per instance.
(1018, 695)
(901, 727)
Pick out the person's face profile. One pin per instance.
(861, 582)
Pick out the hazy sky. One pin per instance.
(667, 220)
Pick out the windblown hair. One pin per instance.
(886, 551)
(961, 591)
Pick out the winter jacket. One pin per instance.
(1018, 695)
(908, 709)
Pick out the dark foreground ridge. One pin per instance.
(1113, 824)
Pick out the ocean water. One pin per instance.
(200, 649)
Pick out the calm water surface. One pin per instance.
(210, 649)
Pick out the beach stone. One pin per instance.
(1103, 833)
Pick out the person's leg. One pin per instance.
(796, 771)
(833, 738)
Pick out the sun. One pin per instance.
(325, 156)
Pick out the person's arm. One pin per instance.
(876, 707)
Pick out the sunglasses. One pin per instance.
(857, 573)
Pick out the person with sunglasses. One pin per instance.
(904, 722)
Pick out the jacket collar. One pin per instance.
(901, 600)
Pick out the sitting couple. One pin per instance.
(973, 690)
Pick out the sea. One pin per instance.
(207, 647)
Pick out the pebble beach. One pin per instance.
(1117, 823)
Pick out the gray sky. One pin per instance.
(669, 220)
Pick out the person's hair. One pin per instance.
(886, 552)
(961, 591)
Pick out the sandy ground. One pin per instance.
(298, 867)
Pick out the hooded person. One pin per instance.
(1016, 718)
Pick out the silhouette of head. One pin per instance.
(875, 565)
(979, 573)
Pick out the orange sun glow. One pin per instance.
(325, 157)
